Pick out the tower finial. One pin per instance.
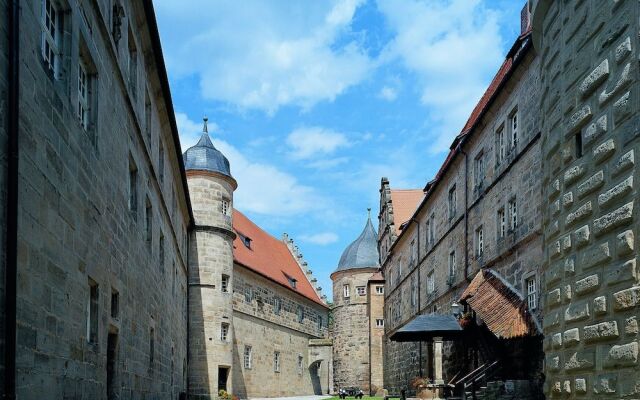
(369, 212)
(205, 129)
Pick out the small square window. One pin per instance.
(379, 289)
(379, 323)
(361, 290)
(224, 332)
(224, 285)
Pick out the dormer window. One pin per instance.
(246, 240)
(293, 282)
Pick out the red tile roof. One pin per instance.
(377, 276)
(501, 308)
(269, 257)
(405, 202)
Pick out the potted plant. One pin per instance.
(421, 385)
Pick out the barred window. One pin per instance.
(224, 332)
(532, 296)
(247, 357)
(224, 285)
(276, 361)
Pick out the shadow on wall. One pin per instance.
(198, 366)
(239, 387)
(314, 371)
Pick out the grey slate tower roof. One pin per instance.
(205, 157)
(362, 252)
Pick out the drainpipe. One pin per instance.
(418, 288)
(466, 212)
(11, 247)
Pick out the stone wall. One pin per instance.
(376, 336)
(350, 330)
(515, 256)
(101, 297)
(4, 126)
(590, 128)
(256, 324)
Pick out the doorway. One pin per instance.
(112, 355)
(223, 376)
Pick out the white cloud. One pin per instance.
(454, 47)
(388, 93)
(321, 239)
(262, 188)
(311, 142)
(264, 54)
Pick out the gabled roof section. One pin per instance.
(404, 202)
(500, 306)
(269, 257)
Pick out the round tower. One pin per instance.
(211, 188)
(351, 320)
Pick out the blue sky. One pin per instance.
(314, 101)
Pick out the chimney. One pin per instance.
(525, 19)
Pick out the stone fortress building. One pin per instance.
(358, 320)
(479, 221)
(255, 320)
(136, 278)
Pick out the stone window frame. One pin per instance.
(161, 165)
(379, 290)
(86, 90)
(276, 361)
(93, 311)
(277, 305)
(451, 267)
(452, 201)
(114, 311)
(248, 294)
(225, 283)
(479, 241)
(501, 147)
(225, 207)
(300, 314)
(361, 290)
(148, 117)
(247, 357)
(512, 207)
(132, 62)
(431, 282)
(148, 222)
(132, 202)
(501, 222)
(528, 277)
(479, 168)
(161, 255)
(514, 125)
(346, 291)
(300, 364)
(51, 36)
(224, 332)
(413, 253)
(379, 322)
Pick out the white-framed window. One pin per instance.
(414, 253)
(224, 332)
(224, 283)
(479, 241)
(300, 314)
(83, 109)
(513, 123)
(247, 357)
(478, 169)
(452, 201)
(379, 323)
(362, 290)
(502, 223)
(51, 26)
(226, 206)
(431, 282)
(133, 63)
(92, 312)
(413, 292)
(277, 305)
(379, 289)
(276, 361)
(501, 147)
(133, 189)
(532, 293)
(452, 264)
(513, 213)
(346, 291)
(300, 364)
